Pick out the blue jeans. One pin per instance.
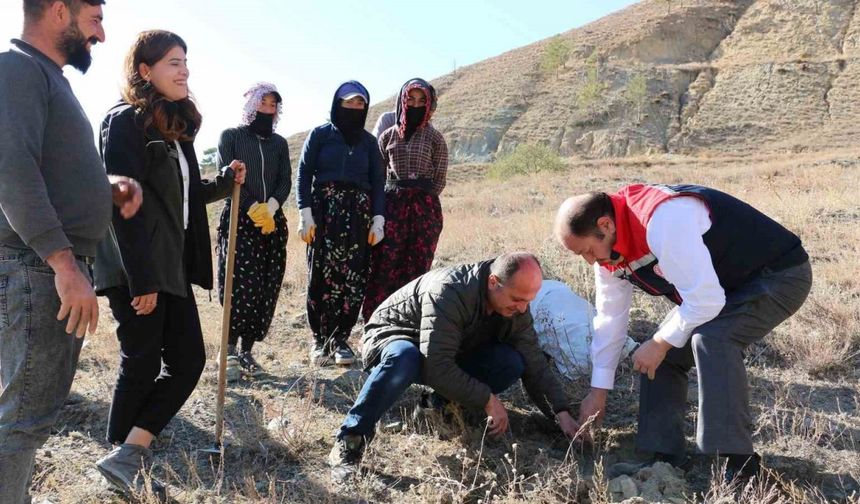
(400, 362)
(37, 365)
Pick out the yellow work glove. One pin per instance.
(259, 213)
(268, 226)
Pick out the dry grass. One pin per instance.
(804, 377)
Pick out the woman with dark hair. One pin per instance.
(340, 185)
(147, 263)
(261, 241)
(415, 156)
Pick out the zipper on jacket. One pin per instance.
(343, 163)
(263, 158)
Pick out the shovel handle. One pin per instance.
(225, 316)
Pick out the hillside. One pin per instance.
(722, 76)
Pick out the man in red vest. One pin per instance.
(733, 273)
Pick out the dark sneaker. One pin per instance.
(319, 355)
(343, 355)
(740, 469)
(249, 365)
(438, 415)
(125, 468)
(345, 457)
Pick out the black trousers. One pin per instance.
(161, 359)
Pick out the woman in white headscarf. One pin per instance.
(261, 245)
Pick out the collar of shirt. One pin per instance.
(28, 49)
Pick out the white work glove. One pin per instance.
(307, 226)
(273, 206)
(377, 230)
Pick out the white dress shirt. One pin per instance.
(183, 167)
(674, 235)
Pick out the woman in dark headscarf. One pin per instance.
(340, 185)
(416, 159)
(261, 241)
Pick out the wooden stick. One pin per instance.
(225, 317)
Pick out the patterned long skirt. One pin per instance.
(338, 261)
(257, 275)
(413, 223)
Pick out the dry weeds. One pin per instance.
(804, 376)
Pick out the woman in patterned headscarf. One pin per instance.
(416, 159)
(261, 244)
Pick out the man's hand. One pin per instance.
(594, 405)
(649, 355)
(567, 424)
(127, 195)
(144, 305)
(497, 416)
(77, 298)
(239, 171)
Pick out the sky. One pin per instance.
(308, 47)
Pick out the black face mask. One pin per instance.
(414, 117)
(350, 122)
(262, 124)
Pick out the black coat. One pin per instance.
(444, 313)
(152, 251)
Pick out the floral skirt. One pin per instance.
(413, 223)
(338, 261)
(257, 274)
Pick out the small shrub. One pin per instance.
(555, 55)
(591, 95)
(527, 159)
(636, 94)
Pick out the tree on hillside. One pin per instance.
(207, 163)
(555, 55)
(637, 94)
(591, 94)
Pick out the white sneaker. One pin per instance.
(234, 369)
(319, 356)
(344, 356)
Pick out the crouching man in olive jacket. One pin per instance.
(464, 331)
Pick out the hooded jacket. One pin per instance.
(326, 157)
(443, 312)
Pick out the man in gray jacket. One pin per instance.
(464, 331)
(56, 206)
